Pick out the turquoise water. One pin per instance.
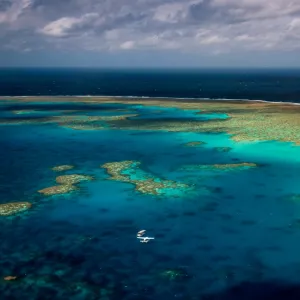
(156, 112)
(230, 227)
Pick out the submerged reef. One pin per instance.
(23, 112)
(41, 284)
(220, 167)
(62, 168)
(176, 274)
(90, 122)
(66, 184)
(77, 122)
(83, 126)
(12, 208)
(247, 120)
(223, 149)
(293, 197)
(129, 171)
(194, 144)
(81, 122)
(111, 118)
(24, 121)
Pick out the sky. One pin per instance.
(150, 33)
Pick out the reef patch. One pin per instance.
(195, 144)
(8, 209)
(145, 183)
(62, 168)
(220, 167)
(66, 184)
(58, 190)
(223, 149)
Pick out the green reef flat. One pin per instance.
(215, 183)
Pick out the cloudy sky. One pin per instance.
(150, 33)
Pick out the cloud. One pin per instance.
(11, 10)
(170, 13)
(67, 26)
(213, 39)
(211, 26)
(127, 45)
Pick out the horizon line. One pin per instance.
(149, 67)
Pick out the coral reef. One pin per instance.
(223, 149)
(83, 126)
(220, 167)
(66, 184)
(114, 169)
(23, 112)
(233, 166)
(247, 121)
(128, 171)
(90, 122)
(72, 179)
(174, 274)
(7, 209)
(90, 252)
(10, 278)
(111, 118)
(58, 190)
(58, 286)
(62, 168)
(24, 121)
(77, 122)
(293, 197)
(194, 144)
(150, 186)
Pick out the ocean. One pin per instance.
(79, 180)
(254, 84)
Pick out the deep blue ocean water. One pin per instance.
(257, 84)
(235, 235)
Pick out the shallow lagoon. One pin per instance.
(233, 225)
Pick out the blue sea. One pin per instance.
(254, 84)
(218, 233)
